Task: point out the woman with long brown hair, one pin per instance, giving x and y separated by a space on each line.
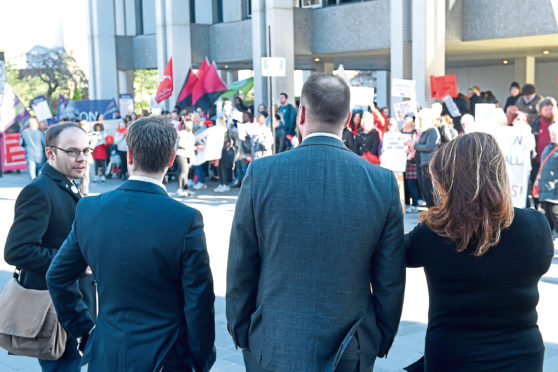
483 260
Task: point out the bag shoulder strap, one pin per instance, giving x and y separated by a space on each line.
544 161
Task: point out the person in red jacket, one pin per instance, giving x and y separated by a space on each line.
99 152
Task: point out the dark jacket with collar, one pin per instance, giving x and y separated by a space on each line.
549 175
427 145
44 213
149 258
301 265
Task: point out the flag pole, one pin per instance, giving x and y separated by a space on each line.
271 114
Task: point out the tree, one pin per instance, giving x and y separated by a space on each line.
57 69
145 87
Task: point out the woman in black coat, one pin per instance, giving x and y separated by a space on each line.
483 260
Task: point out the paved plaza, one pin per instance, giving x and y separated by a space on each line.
218 210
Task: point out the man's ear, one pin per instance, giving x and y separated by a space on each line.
302 115
130 157
172 159
49 152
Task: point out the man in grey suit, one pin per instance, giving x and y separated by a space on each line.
316 272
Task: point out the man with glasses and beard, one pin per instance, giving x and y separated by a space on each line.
44 213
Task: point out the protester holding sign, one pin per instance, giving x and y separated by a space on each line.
426 147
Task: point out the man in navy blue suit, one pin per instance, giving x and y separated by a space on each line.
149 257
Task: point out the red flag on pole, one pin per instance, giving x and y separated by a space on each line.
441 86
166 85
208 88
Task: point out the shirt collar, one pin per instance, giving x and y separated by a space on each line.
148 179
324 134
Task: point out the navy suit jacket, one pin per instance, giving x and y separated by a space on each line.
149 257
305 250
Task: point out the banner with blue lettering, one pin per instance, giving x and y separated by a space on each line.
88 110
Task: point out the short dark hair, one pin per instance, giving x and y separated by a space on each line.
54 131
528 89
152 140
326 97
284 94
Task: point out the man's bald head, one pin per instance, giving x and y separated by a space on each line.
327 99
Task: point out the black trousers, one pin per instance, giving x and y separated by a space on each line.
425 182
226 166
123 164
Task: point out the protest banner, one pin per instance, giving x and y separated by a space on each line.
361 97
3 78
126 103
12 154
41 109
394 155
516 144
441 86
403 108
403 88
452 107
89 109
212 141
12 112
484 113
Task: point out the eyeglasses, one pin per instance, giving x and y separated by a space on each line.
74 153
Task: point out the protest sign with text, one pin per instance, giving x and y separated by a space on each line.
394 155
403 88
362 97
12 154
441 86
403 108
41 109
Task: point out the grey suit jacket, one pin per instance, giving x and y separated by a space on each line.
305 250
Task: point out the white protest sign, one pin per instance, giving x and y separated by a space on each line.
237 115
403 88
362 96
212 139
516 144
393 155
452 107
484 113
41 109
403 108
274 66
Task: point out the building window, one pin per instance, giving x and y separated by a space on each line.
311 3
217 11
247 9
192 11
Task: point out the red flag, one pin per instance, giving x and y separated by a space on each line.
185 96
208 88
165 86
441 86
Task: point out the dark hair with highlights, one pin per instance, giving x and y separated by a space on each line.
152 140
470 180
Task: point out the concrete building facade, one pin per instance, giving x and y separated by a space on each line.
489 43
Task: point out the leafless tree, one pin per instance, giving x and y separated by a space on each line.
57 69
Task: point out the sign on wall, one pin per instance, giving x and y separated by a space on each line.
274 66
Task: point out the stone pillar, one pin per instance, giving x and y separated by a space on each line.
259 50
232 76
126 81
173 41
428 50
103 81
280 16
383 88
524 70
400 21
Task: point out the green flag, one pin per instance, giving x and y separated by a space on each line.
243 86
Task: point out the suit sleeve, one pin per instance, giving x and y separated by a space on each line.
24 247
199 298
68 265
243 268
388 273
